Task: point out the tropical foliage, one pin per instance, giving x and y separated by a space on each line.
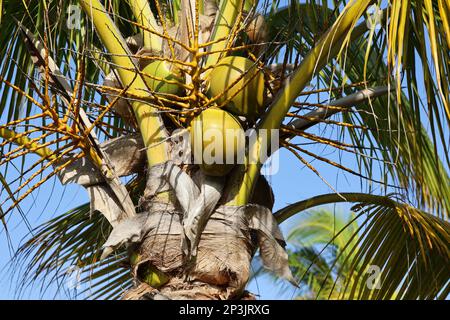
93 91
332 261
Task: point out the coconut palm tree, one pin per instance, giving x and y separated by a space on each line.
319 256
108 95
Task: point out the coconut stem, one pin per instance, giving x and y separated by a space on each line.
313 62
144 16
26 142
149 122
225 19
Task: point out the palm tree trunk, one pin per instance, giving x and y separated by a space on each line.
221 266
185 240
220 269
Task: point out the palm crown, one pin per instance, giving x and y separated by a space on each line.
101 99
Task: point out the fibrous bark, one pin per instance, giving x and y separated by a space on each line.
199 248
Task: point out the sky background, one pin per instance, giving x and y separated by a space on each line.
292 182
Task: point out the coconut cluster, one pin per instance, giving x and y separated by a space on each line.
236 85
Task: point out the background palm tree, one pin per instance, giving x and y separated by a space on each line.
79 104
319 259
323 256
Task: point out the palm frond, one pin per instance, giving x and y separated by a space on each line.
311 267
70 243
407 247
311 263
388 133
320 226
65 40
61 117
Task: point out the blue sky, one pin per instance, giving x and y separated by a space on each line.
292 183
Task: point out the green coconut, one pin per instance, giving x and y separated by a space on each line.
152 276
165 72
216 139
247 94
148 273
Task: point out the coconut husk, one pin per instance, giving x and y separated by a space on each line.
161 244
143 292
121 107
256 29
196 197
222 265
206 23
179 290
135 42
257 32
125 153
126 156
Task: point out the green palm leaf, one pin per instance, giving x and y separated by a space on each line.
393 132
73 241
408 247
317 267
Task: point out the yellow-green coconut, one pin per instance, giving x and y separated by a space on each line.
247 94
161 77
216 138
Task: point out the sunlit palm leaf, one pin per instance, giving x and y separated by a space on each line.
70 243
394 133
409 248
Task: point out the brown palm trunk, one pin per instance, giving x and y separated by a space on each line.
221 267
180 249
